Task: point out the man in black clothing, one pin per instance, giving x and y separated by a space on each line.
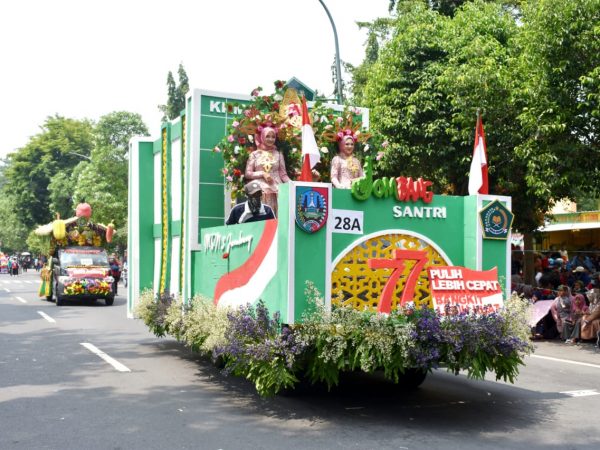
252 210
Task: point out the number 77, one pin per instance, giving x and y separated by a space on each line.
397 263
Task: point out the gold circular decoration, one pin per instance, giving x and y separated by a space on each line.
354 284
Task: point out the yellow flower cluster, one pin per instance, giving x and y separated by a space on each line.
182 240
165 216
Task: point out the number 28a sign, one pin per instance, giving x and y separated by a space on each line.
347 221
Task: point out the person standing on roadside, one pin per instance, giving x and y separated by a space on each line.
14 267
115 271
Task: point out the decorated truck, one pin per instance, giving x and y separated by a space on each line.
78 263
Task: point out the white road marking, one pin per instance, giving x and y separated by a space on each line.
17 281
568 361
22 300
46 316
113 362
581 393
28 281
7 290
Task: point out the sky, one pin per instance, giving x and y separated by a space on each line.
84 59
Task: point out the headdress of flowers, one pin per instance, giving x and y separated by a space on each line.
345 127
280 111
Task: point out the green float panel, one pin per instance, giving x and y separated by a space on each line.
211 166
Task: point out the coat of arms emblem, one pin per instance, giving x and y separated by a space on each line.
311 208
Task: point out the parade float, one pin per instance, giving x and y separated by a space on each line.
78 266
385 276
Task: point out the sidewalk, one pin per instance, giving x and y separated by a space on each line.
556 348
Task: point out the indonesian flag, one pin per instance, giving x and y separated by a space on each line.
478 176
310 151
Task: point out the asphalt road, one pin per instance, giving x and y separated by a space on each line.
56 393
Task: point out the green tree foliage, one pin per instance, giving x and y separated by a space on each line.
103 183
12 231
61 190
57 148
557 94
117 128
378 33
38 245
538 100
175 95
182 89
67 162
444 7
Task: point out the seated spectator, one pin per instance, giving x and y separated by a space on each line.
578 288
579 273
590 323
578 309
561 311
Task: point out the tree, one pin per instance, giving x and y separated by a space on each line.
38 245
378 34
59 147
558 68
535 80
117 128
103 183
182 89
12 232
424 92
444 7
175 95
61 190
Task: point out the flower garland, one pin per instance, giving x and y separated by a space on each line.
183 223
86 286
165 217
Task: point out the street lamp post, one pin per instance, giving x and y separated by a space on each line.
338 70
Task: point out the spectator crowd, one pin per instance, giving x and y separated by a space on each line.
568 290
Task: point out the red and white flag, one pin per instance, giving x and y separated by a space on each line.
310 151
478 176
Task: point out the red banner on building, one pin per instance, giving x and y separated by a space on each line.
456 290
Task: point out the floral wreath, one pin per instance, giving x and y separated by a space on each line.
349 128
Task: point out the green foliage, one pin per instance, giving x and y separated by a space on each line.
13 233
61 190
539 102
558 71
32 167
175 95
326 343
38 245
204 325
103 182
114 130
152 310
67 162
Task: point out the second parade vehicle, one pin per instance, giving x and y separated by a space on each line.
78 266
82 273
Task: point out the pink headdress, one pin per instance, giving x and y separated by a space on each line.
346 130
344 137
262 131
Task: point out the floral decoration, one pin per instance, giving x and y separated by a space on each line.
85 286
252 343
282 110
